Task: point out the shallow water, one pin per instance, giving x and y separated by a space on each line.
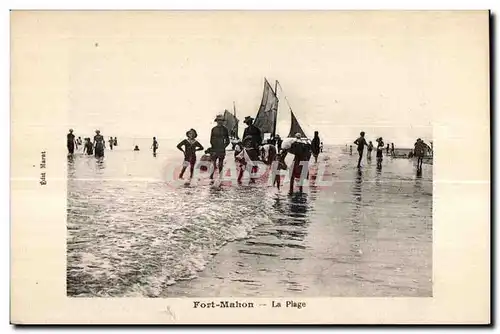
133 232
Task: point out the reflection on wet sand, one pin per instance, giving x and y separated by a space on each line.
283 238
243 268
370 234
355 222
291 213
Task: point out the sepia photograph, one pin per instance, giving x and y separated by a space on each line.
222 158
193 174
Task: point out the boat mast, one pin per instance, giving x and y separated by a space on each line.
292 116
234 113
276 113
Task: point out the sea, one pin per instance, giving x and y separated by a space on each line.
135 230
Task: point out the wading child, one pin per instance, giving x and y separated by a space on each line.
370 149
88 148
281 166
206 160
154 146
191 145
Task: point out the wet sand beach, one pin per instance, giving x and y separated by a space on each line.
370 234
131 233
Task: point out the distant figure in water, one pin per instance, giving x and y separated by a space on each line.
115 142
111 141
79 141
321 147
315 146
191 146
301 149
419 152
361 142
380 148
154 146
370 149
71 142
88 148
76 144
350 149
387 150
392 150
136 148
99 144
219 139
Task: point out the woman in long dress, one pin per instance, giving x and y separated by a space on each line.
316 146
99 144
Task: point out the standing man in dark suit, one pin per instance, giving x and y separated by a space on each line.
219 139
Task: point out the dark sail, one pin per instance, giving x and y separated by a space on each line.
266 116
231 124
295 127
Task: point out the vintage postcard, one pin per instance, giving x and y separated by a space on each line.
267 167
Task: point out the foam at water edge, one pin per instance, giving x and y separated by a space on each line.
197 261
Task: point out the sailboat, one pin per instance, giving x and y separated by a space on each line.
231 123
266 121
266 118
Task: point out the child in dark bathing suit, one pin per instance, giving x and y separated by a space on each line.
370 149
191 145
154 146
88 148
380 149
206 160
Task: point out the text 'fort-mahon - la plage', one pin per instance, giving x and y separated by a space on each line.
245 304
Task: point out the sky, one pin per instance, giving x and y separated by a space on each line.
159 74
